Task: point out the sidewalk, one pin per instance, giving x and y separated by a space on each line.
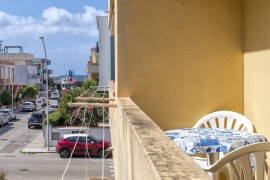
36 146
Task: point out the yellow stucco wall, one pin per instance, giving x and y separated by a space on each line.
179 60
257 63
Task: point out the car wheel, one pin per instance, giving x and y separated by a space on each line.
29 127
15 117
64 153
2 123
100 153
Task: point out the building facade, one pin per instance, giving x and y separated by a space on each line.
104 50
92 66
180 60
41 71
6 75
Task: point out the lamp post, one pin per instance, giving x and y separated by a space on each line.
47 91
12 93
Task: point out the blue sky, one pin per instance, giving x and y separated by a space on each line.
68 26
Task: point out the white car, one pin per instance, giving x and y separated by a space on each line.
28 106
11 114
44 101
53 107
55 95
3 119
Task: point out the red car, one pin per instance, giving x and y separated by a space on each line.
85 142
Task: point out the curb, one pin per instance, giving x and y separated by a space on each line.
37 150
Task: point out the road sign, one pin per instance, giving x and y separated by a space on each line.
39 102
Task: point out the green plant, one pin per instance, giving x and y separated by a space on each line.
3 175
55 118
68 97
87 83
6 98
89 115
29 92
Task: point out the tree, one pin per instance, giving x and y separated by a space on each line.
87 83
6 98
67 97
29 91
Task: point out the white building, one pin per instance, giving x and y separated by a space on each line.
104 50
18 58
25 75
24 71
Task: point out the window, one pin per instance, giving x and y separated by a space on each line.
82 139
92 139
37 115
72 139
55 136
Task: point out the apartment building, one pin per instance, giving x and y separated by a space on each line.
40 64
99 67
92 66
25 73
104 50
177 61
6 75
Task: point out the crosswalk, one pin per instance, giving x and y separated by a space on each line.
111 167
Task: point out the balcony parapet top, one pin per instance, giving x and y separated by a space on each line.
167 161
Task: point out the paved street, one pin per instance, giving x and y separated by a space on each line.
15 136
48 166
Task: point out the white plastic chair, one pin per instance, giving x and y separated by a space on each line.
226 120
249 162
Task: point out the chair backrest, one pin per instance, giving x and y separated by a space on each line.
248 162
226 120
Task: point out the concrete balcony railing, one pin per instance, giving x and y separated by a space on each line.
142 151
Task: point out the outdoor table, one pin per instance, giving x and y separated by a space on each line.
211 141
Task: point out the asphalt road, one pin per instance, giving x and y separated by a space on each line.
42 166
49 166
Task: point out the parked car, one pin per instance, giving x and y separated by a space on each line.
36 119
28 106
3 119
44 101
67 143
34 102
11 114
6 113
55 95
53 107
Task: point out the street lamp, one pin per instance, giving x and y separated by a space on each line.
12 93
47 91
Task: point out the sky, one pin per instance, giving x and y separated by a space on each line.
68 26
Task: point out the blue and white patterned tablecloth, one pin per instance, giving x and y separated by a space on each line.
212 140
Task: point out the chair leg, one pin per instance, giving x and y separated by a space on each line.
211 159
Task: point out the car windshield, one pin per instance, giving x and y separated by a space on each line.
54 106
36 115
26 103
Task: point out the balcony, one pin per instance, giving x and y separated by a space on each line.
93 68
142 151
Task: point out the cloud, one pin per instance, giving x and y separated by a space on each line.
53 21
